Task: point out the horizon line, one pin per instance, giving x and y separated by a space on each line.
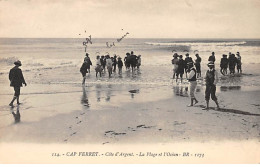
116 38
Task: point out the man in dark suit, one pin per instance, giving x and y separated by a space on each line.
16 80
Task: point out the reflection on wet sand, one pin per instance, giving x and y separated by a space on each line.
16 115
108 93
84 98
133 92
180 91
226 88
98 92
231 79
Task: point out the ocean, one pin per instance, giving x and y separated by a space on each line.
57 60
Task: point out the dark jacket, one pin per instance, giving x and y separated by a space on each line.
198 61
120 64
210 77
181 66
187 60
212 58
84 68
224 62
16 77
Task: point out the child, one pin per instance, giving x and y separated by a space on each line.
138 61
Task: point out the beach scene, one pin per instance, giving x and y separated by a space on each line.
143 105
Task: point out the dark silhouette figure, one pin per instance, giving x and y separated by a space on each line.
16 80
197 65
224 64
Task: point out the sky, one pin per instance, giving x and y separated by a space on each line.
141 18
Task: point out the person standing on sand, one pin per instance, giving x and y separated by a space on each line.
239 63
193 83
211 78
181 67
175 62
16 80
197 65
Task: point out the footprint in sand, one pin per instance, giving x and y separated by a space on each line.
77 117
143 126
79 122
82 113
114 133
65 140
179 123
73 133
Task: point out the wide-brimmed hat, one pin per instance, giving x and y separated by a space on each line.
119 57
211 63
18 62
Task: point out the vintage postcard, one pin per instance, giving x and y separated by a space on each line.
129 81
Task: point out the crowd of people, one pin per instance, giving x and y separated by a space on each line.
180 65
131 61
211 76
111 63
231 62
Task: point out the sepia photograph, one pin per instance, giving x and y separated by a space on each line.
129 82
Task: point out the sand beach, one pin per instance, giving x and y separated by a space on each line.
146 108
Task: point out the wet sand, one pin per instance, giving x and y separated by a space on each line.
114 114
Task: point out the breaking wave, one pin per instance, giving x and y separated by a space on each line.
196 43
